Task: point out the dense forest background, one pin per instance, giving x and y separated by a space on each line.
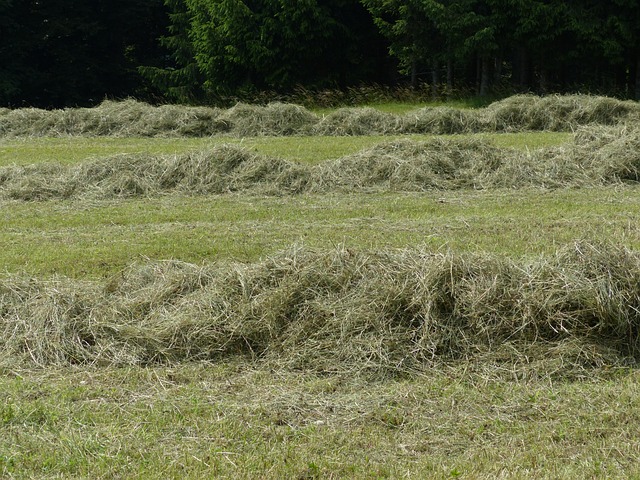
56 53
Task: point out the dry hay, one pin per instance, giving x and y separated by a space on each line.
223 169
272 120
357 121
127 118
28 122
132 118
379 313
442 120
413 166
35 182
614 152
598 156
557 112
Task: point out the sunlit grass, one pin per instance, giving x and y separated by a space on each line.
312 149
239 420
227 421
76 239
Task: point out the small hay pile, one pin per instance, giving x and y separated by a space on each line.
407 165
557 112
27 122
35 182
127 118
357 121
223 169
442 121
135 119
613 152
272 120
379 313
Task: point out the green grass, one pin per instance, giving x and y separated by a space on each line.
76 239
241 420
224 421
71 150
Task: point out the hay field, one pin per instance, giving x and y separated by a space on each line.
270 292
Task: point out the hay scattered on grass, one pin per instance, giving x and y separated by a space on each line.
132 118
407 165
379 313
357 121
274 119
599 156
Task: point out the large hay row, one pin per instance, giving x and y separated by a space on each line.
131 118
380 313
598 156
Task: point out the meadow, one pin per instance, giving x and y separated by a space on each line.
276 292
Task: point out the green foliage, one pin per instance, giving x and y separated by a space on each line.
181 80
547 43
228 47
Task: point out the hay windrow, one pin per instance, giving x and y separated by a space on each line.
358 121
382 313
558 112
132 118
598 156
445 121
224 169
275 119
406 165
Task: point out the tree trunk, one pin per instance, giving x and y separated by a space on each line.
414 74
497 70
638 78
435 78
449 75
544 80
543 76
523 69
485 75
478 74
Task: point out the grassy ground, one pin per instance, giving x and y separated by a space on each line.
78 239
242 420
314 149
227 421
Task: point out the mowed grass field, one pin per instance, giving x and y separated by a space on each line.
238 417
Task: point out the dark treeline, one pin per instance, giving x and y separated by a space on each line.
77 52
